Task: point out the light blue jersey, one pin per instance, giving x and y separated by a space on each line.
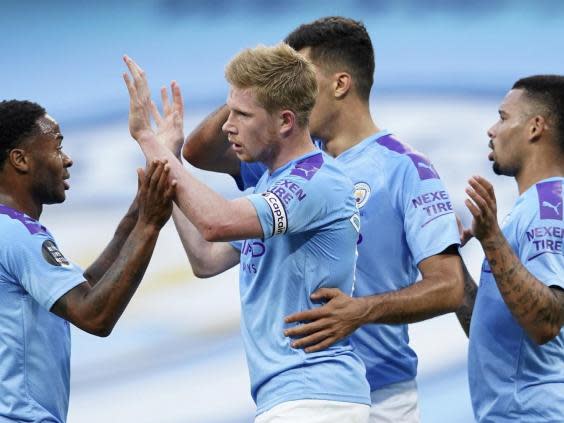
34 343
512 379
406 216
307 212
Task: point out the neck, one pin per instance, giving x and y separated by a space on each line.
291 148
353 124
539 169
23 205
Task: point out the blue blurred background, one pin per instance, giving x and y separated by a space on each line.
442 66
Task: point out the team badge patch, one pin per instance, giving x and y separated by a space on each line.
52 254
550 200
361 194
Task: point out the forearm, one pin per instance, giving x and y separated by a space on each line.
212 215
198 250
534 305
97 269
421 301
105 302
464 313
207 146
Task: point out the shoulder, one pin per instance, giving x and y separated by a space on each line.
19 229
544 200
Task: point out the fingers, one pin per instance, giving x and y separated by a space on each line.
129 84
311 340
177 98
155 113
166 104
325 293
308 315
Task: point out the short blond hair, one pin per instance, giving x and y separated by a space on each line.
280 77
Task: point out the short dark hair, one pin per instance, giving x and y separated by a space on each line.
342 41
18 120
547 90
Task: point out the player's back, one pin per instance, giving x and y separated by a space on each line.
310 226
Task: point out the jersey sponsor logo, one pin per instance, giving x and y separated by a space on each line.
253 248
424 167
308 167
361 194
545 240
287 190
52 254
550 200
433 204
279 216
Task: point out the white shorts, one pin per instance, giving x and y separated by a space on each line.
395 403
315 411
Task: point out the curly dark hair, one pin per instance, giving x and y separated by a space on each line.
17 121
336 40
548 91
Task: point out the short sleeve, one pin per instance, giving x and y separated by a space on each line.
540 242
429 218
36 263
294 204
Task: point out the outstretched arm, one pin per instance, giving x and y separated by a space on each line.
97 309
439 291
207 146
538 308
216 218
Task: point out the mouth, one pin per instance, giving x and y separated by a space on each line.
491 154
66 183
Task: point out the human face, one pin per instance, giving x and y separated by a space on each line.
49 163
323 115
508 136
252 131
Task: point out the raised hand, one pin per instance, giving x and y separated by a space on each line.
155 194
482 204
140 104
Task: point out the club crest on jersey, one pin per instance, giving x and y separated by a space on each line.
550 200
361 194
52 254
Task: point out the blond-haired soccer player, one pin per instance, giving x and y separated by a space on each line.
298 229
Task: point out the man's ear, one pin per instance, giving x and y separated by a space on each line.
537 125
287 122
342 84
19 159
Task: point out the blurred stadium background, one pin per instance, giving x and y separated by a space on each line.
176 355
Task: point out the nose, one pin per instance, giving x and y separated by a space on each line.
67 160
491 133
228 127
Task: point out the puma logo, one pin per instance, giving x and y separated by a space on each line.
552 206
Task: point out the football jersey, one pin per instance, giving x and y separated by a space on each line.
406 216
310 227
34 343
512 379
